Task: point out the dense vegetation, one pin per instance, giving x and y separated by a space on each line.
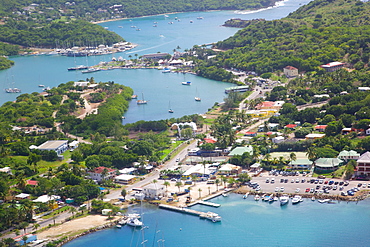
319 33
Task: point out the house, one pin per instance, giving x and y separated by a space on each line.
98 173
228 169
302 163
255 167
367 132
106 211
363 165
348 155
314 136
291 126
32 182
6 169
200 170
347 131
363 88
59 146
320 128
22 196
290 71
333 66
278 139
73 145
124 179
46 198
128 171
250 134
80 83
241 150
153 191
328 164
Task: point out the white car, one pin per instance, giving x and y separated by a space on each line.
297 190
277 189
282 189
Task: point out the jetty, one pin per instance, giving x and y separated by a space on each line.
182 210
211 204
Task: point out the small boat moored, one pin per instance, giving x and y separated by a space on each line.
186 83
284 199
296 199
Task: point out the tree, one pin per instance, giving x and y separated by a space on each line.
200 192
124 193
36 226
166 183
23 225
312 153
178 185
217 182
77 156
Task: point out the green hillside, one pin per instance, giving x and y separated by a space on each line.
320 32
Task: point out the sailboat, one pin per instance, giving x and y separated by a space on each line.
12 89
141 102
196 97
169 108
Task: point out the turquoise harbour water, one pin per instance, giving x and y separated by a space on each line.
245 222
161 90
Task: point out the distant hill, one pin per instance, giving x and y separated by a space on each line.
318 33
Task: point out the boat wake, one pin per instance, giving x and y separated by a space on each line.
152 47
277 5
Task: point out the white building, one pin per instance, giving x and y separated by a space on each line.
154 190
124 179
59 146
98 173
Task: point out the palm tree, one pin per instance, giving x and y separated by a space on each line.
166 183
178 185
200 192
36 226
24 226
217 182
72 210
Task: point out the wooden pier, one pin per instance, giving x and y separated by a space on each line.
211 204
182 210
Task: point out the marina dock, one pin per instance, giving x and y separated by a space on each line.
182 210
211 204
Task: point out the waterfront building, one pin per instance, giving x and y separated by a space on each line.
229 169
363 165
153 191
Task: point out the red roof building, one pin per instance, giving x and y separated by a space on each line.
208 140
333 66
290 71
291 126
32 182
320 128
97 173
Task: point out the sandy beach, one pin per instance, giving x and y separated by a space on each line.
74 227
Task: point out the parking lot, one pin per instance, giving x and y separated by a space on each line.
305 185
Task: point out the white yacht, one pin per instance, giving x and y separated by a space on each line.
257 197
134 222
284 199
296 199
211 216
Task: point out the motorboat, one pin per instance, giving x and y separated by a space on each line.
13 90
186 83
265 197
296 199
135 222
197 99
211 216
137 216
284 199
90 70
245 195
134 96
41 85
225 194
257 197
323 200
118 226
313 198
271 199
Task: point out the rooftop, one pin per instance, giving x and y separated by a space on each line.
52 144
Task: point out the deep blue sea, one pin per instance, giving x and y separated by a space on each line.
245 222
161 90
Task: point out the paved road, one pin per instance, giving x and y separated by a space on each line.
155 174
